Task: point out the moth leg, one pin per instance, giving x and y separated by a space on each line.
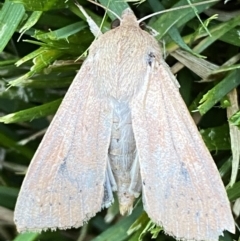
111 176
109 186
136 181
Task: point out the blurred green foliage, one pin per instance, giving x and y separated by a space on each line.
40 41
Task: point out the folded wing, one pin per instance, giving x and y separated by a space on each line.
182 189
64 185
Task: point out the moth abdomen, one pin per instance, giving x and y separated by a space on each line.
122 153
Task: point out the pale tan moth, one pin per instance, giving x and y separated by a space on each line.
124 127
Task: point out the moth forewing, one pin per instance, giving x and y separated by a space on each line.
124 126
70 163
184 192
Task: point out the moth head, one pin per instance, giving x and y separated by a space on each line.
128 18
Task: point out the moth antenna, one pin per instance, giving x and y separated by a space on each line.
107 9
96 31
173 9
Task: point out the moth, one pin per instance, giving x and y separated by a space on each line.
123 127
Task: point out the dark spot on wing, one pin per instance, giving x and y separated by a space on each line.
150 58
184 172
64 172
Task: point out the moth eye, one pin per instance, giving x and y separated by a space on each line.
142 25
115 23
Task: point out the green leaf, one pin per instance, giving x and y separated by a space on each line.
138 228
176 18
225 169
8 197
32 113
32 20
64 32
214 95
31 56
8 142
216 33
234 192
232 37
44 57
118 232
116 6
11 15
46 82
216 138
226 68
235 119
26 237
42 5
